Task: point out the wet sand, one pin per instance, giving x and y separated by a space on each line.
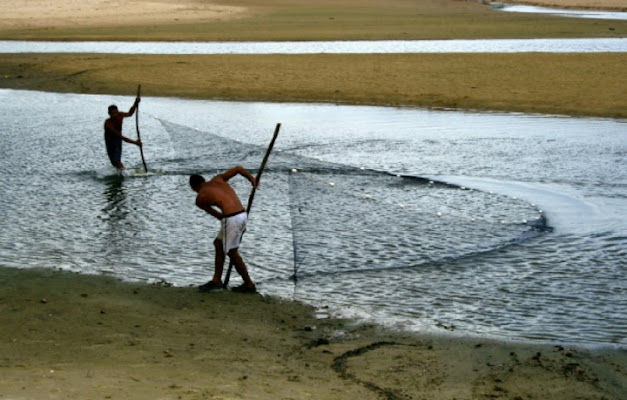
529 82
69 336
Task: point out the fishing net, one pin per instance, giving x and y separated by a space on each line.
344 219
353 220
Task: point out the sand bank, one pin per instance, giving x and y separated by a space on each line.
571 84
68 336
81 13
269 20
568 84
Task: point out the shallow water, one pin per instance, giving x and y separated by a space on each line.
366 210
592 14
596 45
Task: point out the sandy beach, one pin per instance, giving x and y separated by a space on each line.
526 82
71 336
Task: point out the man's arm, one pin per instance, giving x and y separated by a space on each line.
241 171
131 111
111 127
207 207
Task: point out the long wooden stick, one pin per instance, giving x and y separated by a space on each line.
252 193
141 148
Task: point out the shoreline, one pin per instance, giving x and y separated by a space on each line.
74 336
535 83
559 84
274 20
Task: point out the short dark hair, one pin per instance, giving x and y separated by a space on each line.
196 180
112 107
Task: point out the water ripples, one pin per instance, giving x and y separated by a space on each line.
389 257
587 45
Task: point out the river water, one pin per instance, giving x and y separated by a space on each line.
497 225
583 45
572 13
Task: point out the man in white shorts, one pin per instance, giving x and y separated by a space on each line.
218 198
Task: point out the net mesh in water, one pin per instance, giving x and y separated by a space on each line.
354 220
346 219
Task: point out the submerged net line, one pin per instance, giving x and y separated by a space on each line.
440 210
338 230
345 219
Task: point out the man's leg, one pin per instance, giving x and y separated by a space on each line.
114 151
117 164
215 284
240 267
219 261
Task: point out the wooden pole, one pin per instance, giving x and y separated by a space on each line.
252 193
141 148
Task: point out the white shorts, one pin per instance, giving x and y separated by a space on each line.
231 231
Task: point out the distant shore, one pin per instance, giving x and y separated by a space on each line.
565 84
72 336
561 84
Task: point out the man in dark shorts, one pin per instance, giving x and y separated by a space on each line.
219 199
113 134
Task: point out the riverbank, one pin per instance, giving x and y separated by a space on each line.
567 84
72 336
280 20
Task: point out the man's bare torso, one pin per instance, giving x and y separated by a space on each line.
218 193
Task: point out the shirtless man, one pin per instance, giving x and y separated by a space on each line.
113 134
219 199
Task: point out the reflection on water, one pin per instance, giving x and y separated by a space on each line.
114 230
359 224
115 208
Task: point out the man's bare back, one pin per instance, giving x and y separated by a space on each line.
217 192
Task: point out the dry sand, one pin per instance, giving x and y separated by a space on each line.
571 84
68 336
62 13
251 20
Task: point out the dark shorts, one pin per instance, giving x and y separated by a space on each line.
114 148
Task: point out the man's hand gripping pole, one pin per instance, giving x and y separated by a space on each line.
252 193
